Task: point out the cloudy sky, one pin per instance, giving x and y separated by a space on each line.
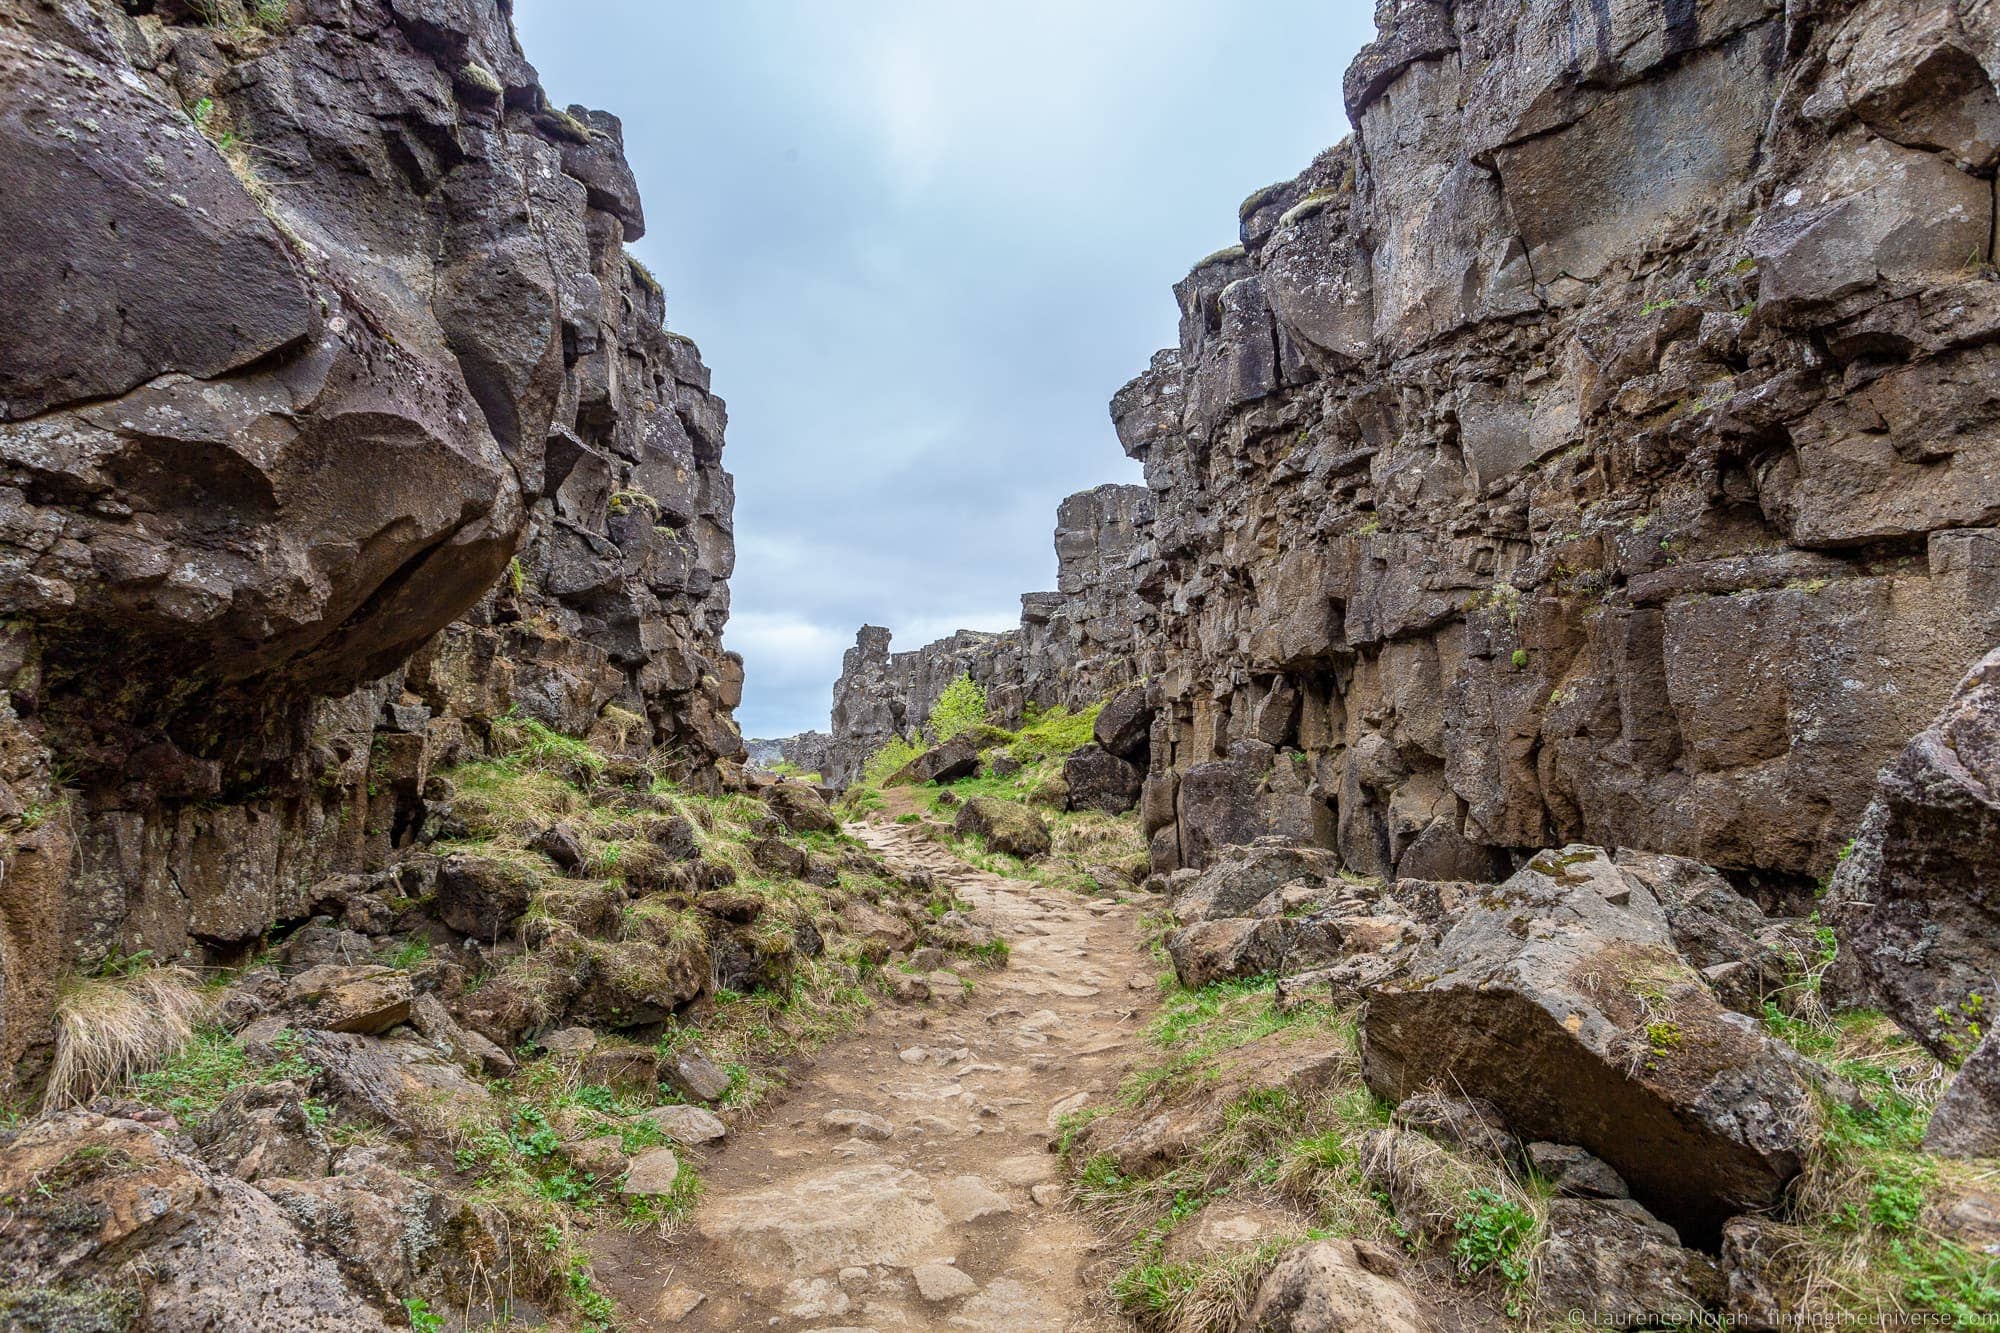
921 245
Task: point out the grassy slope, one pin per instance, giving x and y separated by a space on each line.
1082 839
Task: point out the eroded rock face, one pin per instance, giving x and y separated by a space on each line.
174 1243
334 423
1075 645
1560 997
1590 449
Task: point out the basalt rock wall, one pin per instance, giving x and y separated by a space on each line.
335 423
1598 446
1074 645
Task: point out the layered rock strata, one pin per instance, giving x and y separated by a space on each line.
1074 646
335 421
1598 446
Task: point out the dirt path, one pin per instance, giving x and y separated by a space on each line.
906 1181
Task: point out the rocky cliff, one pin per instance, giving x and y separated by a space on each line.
1598 446
1074 645
336 422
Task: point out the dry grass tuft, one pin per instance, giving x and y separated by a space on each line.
110 1029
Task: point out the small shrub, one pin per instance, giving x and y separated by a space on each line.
960 707
884 762
1054 733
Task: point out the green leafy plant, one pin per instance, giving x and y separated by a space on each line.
1491 1232
961 706
422 1318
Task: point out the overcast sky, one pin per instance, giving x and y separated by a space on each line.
921 245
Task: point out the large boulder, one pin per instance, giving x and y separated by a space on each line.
956 758
1245 876
1966 1122
262 1129
1560 997
1125 723
1620 1265
801 807
400 1081
480 896
1916 903
107 1209
1233 947
351 999
1100 780
1005 825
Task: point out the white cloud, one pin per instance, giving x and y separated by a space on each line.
921 245
783 644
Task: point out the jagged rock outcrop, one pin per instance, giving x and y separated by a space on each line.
1074 646
111 1224
1594 447
808 751
335 421
1916 902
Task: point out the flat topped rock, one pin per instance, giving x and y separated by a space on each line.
686 1125
868 1214
677 1303
693 1074
941 1282
968 1198
653 1171
859 1124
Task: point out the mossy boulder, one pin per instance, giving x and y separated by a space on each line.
481 896
986 736
1099 780
800 807
1006 827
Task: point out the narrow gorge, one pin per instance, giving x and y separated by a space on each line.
1500 829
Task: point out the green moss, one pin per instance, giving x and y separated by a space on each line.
67 1308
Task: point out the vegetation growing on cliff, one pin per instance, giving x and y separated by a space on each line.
961 707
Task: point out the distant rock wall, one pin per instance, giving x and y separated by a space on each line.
1597 447
807 751
1074 646
335 422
